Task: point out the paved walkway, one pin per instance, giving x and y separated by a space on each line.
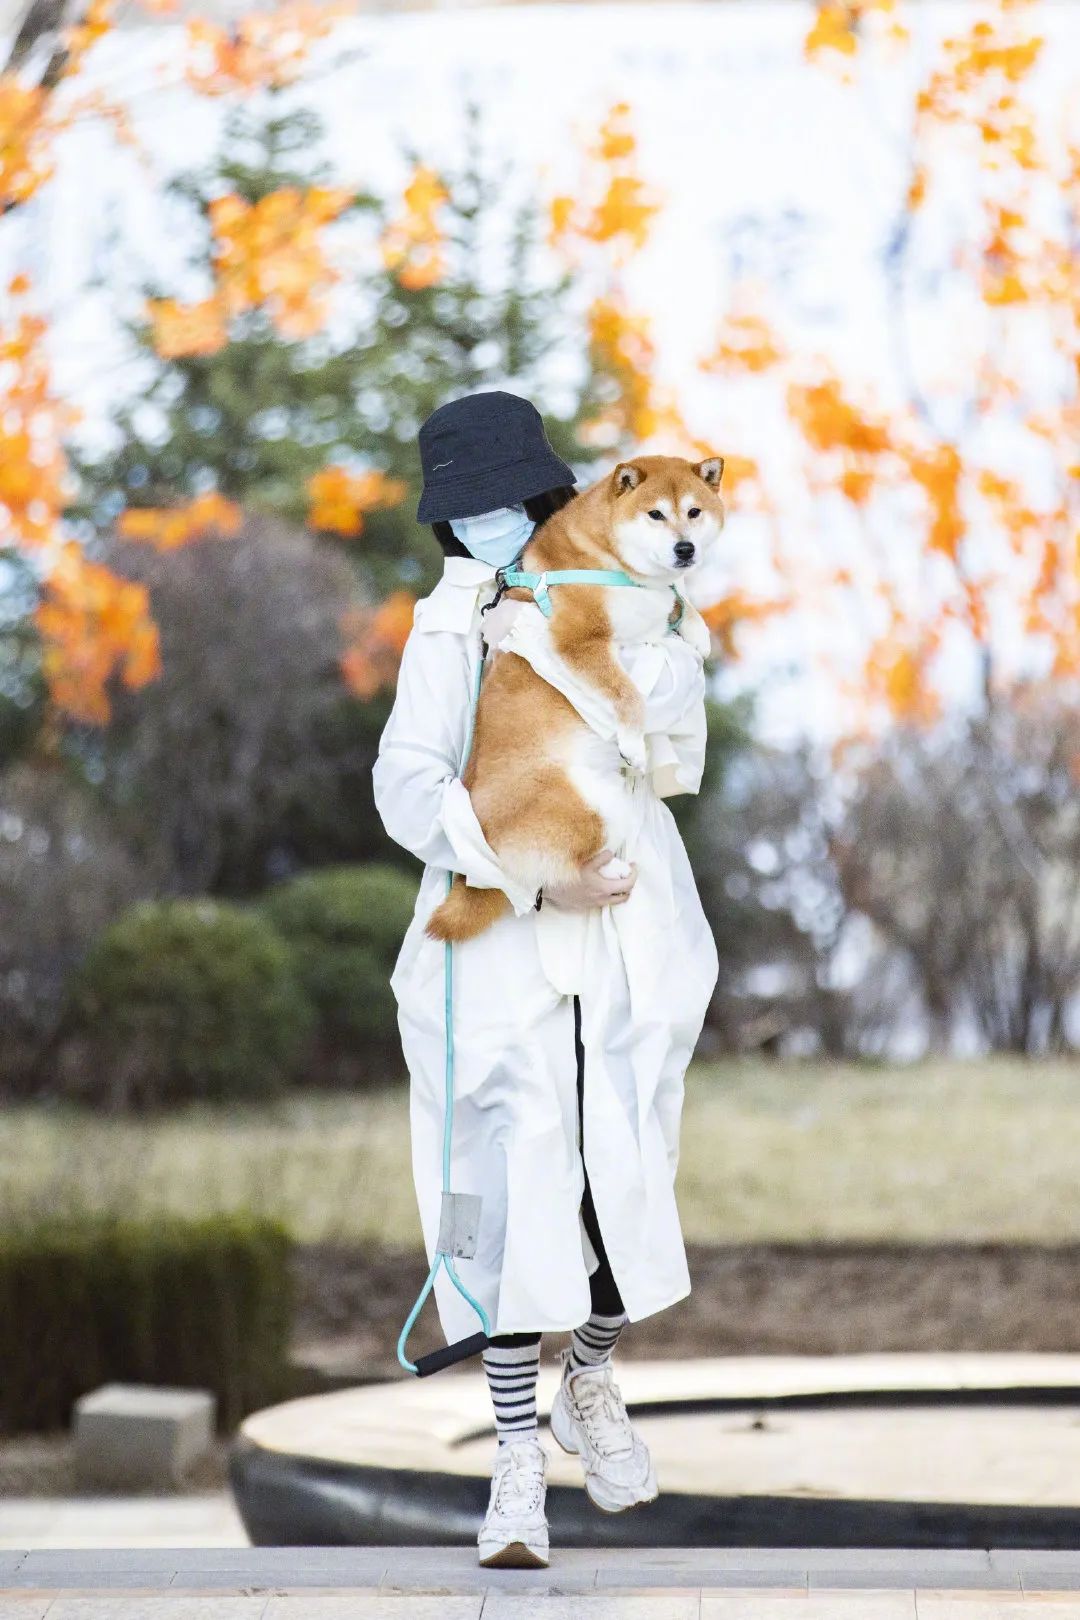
203 1519
432 1583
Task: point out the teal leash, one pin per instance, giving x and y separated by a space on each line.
443 1256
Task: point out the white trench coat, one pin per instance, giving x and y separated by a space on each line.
644 971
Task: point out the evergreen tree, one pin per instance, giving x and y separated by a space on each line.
258 418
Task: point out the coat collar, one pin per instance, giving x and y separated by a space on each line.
452 604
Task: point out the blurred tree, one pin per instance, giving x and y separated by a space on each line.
65 873
248 758
962 847
948 513
273 399
22 687
91 629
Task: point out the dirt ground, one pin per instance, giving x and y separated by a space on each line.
752 1299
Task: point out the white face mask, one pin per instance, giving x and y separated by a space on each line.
495 537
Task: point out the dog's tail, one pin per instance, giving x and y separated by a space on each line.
466 912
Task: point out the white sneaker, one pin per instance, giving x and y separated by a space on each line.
588 1417
515 1534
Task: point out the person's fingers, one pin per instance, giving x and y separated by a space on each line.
598 861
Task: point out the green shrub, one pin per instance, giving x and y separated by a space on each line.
196 1304
181 1000
344 926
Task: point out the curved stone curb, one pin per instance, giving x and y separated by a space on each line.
399 1464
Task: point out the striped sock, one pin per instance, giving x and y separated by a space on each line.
512 1372
592 1343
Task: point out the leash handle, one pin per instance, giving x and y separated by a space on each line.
474 1345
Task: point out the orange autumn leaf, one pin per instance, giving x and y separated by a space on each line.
170 527
25 134
270 254
393 621
746 343
264 50
265 255
412 244
831 421
857 484
625 211
916 192
376 640
90 26
613 209
622 346
939 474
738 471
183 329
728 614
94 628
833 30
561 215
34 480
897 674
339 498
616 141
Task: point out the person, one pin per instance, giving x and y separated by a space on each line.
575 1014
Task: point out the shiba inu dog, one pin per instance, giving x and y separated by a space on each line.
548 791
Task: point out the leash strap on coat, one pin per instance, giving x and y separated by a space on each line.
508 578
460 1211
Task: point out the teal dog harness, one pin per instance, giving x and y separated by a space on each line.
507 578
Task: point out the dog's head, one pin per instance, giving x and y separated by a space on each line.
666 513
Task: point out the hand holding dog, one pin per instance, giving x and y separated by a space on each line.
593 887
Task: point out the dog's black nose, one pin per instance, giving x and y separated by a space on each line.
684 551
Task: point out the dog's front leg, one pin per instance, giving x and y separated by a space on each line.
594 659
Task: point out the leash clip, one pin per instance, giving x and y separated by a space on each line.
501 589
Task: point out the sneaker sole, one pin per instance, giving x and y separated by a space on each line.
619 1507
605 1507
515 1555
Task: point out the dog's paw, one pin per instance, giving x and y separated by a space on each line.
632 748
616 868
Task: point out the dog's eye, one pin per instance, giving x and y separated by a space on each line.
657 515
695 511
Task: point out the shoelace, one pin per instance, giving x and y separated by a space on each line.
520 1482
599 1402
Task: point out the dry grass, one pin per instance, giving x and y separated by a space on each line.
944 1151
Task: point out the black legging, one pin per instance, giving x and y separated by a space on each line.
604 1296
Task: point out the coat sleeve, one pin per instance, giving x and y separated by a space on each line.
669 675
671 678
418 793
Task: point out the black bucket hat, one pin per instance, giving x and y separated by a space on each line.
482 452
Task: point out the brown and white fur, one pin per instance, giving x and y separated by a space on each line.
548 792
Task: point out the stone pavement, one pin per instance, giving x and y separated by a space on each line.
433 1583
201 1519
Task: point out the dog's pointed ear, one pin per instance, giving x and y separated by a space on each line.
626 476
711 470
